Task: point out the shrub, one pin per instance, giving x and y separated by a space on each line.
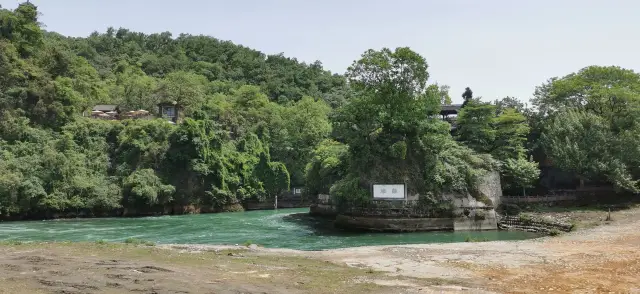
554 232
484 199
525 218
472 239
479 214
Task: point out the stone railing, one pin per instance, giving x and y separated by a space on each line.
530 224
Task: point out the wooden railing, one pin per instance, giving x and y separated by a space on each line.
539 199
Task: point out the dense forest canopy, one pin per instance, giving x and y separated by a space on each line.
255 125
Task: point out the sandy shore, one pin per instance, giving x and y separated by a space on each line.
604 259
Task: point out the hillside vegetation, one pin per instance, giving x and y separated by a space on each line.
258 124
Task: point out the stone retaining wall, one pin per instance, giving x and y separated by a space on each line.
527 224
322 210
255 205
394 224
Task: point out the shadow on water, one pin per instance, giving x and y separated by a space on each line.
320 226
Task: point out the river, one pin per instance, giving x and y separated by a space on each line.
284 228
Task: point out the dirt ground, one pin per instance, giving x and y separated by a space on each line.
601 259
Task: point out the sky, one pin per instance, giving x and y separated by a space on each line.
497 48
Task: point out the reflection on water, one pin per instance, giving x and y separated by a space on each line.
285 228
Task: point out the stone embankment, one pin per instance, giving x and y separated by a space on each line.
527 223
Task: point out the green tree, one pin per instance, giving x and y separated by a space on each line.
583 143
328 164
509 103
600 103
393 133
185 88
511 132
475 126
441 91
519 173
143 188
306 123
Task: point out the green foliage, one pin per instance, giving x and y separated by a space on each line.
583 142
327 165
519 173
479 214
185 88
46 172
440 91
554 232
474 240
501 131
256 124
136 241
394 135
348 192
589 121
144 188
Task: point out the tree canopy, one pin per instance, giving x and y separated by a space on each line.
257 124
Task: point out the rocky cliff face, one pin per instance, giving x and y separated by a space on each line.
471 213
478 213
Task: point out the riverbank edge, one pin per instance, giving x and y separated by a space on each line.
157 212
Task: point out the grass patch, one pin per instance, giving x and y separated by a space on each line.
11 243
472 239
554 232
136 241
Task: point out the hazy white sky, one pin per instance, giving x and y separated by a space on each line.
497 47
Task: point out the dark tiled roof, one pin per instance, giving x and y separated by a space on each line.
451 107
105 107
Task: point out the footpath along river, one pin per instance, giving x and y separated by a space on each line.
284 228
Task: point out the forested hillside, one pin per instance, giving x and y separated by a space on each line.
258 124
252 120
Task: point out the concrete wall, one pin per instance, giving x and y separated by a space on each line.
394 224
488 222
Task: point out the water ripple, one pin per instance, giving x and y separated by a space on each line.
286 228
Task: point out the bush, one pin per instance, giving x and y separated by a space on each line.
472 239
484 199
479 214
136 241
554 232
525 218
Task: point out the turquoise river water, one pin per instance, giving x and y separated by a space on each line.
285 228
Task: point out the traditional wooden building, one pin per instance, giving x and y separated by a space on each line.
171 111
449 114
105 111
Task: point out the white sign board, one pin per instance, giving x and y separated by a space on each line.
388 191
